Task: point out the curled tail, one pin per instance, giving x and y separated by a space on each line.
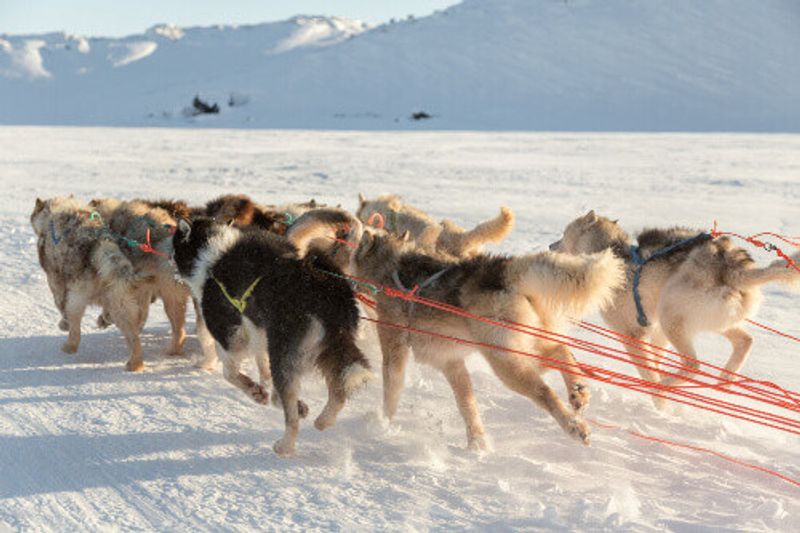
571 284
779 271
111 264
326 224
494 230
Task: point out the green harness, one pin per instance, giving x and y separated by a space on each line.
239 303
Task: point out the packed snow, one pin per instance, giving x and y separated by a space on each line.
579 65
86 445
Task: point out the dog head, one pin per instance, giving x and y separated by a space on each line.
189 239
39 216
589 234
378 251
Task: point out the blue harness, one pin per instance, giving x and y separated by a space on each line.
640 262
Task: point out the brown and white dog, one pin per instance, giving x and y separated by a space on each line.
84 265
153 223
540 289
706 285
445 237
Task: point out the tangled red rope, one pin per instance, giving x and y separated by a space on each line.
758 390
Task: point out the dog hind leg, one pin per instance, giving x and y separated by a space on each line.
74 307
577 389
287 388
523 378
742 342
458 377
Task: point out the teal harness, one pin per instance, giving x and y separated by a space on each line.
640 262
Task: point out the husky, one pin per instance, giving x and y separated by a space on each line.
540 289
444 237
704 285
152 223
256 292
84 265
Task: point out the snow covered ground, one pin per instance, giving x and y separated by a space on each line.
534 65
86 445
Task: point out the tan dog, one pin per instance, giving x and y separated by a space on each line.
540 289
84 265
135 221
445 237
706 285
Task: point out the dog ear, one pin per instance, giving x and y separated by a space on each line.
362 199
591 217
39 205
185 227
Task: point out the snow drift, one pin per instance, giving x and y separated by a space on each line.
482 64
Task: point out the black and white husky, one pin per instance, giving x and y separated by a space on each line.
255 294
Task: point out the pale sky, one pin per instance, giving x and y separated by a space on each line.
124 17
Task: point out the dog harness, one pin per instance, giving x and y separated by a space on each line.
640 262
239 303
427 283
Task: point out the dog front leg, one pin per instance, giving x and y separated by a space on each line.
395 356
207 343
458 377
174 300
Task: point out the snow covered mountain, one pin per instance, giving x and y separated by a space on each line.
729 65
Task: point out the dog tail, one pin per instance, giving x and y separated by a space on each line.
342 362
325 224
571 285
494 230
111 264
779 271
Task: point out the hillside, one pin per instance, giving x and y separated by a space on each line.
726 65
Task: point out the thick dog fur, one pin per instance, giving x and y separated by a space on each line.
445 237
240 210
84 265
306 316
539 289
134 220
711 285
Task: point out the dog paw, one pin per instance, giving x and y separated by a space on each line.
69 347
579 430
63 325
259 394
284 447
355 377
323 422
302 409
579 397
478 443
660 403
134 366
206 364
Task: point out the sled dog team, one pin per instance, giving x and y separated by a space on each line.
273 283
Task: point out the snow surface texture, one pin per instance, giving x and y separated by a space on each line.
84 444
582 65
